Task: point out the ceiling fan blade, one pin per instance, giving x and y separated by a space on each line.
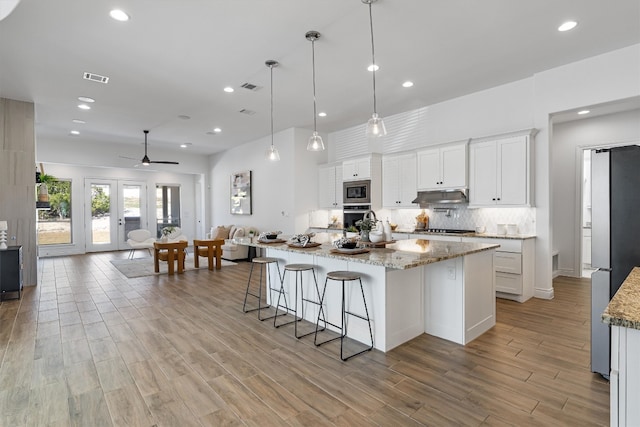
164 162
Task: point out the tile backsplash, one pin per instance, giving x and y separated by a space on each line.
457 217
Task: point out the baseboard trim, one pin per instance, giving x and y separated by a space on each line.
543 293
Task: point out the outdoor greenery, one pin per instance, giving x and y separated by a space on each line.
59 199
100 201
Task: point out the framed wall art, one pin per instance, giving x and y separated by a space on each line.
241 193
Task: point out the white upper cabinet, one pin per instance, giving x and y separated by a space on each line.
330 187
500 172
399 178
356 169
443 167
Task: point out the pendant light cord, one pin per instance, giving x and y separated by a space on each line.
373 58
313 66
271 71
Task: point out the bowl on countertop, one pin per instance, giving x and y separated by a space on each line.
376 236
349 245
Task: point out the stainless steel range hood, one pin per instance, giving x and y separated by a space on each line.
444 197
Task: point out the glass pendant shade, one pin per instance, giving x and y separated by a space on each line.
273 154
375 127
315 142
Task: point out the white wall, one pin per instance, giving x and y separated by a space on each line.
77 175
283 193
569 140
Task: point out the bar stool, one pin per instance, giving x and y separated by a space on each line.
264 263
344 276
298 269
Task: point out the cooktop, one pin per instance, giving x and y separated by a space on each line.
445 231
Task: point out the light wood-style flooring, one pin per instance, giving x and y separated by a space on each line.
89 347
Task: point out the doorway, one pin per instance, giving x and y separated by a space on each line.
114 207
585 222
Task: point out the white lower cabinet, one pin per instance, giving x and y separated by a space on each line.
625 377
514 265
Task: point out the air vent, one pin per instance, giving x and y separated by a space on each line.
96 78
250 86
247 112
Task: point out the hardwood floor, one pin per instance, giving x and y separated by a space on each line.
89 347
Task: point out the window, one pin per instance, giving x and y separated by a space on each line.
167 206
54 225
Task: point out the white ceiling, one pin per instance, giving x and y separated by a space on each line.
174 57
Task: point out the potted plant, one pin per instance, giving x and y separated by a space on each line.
365 225
166 231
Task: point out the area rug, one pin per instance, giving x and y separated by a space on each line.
139 267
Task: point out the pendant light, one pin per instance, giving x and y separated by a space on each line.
375 125
272 152
315 141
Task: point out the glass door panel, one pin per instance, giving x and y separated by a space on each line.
101 215
113 208
133 209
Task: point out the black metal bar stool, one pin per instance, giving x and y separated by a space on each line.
264 263
298 270
344 276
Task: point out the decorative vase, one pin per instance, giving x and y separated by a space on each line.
43 193
364 235
164 239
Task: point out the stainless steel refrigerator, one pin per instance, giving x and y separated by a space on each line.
615 237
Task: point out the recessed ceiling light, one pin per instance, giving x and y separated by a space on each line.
74 132
322 114
407 84
86 99
584 112
184 117
228 89
373 67
84 107
119 15
217 130
185 144
566 26
81 122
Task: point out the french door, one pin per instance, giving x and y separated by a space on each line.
112 209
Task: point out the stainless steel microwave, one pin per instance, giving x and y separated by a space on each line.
356 192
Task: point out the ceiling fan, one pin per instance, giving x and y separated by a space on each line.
145 160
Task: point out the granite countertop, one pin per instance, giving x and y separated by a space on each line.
624 307
400 255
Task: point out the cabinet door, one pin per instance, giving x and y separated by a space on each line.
363 168
407 180
390 182
327 187
512 181
483 173
356 169
338 187
429 169
453 166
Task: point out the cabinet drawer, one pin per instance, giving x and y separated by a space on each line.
508 262
509 283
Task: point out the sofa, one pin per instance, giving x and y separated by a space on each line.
230 250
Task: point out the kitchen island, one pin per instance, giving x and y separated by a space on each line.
413 286
623 315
